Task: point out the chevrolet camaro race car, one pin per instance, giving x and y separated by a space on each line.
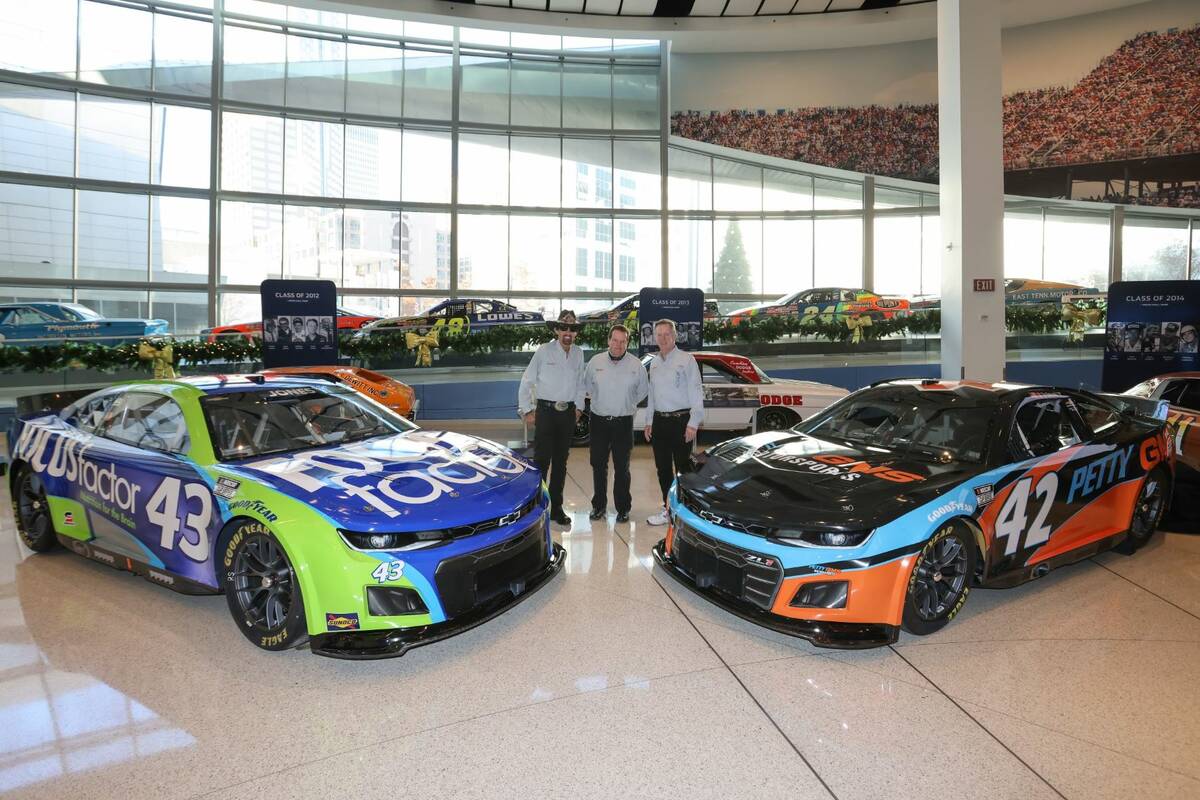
455 317
830 305
884 510
23 324
321 515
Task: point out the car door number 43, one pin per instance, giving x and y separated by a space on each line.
162 510
1013 518
388 571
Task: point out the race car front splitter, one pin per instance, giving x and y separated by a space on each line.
836 635
363 645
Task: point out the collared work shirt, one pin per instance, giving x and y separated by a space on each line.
675 385
615 387
554 375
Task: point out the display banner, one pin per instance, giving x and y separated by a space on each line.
684 307
1151 330
299 323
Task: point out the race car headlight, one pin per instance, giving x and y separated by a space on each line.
823 538
411 540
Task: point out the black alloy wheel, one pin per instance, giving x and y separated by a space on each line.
1147 512
33 512
262 589
940 580
775 419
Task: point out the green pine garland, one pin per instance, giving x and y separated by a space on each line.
1030 319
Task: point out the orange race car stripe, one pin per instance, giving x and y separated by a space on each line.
876 594
1051 463
1109 513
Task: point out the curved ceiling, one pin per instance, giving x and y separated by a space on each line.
729 25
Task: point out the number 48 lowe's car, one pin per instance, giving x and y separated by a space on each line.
882 511
319 513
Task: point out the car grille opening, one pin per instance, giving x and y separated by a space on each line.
394 601
692 504
471 580
741 574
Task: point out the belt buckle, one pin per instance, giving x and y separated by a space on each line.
560 405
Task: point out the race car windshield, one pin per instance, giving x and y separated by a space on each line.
270 421
924 426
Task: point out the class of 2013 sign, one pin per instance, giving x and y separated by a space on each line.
684 307
1152 330
299 323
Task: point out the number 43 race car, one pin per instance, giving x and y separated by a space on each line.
881 512
321 515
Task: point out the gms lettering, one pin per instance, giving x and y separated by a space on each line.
68 459
847 468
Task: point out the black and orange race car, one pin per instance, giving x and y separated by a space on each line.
397 396
882 511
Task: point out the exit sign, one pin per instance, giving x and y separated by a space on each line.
985 284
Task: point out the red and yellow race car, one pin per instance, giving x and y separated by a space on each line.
397 396
346 321
827 304
883 511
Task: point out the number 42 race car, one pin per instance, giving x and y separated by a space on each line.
321 515
882 511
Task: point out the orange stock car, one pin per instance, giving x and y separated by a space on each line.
397 396
882 511
1181 390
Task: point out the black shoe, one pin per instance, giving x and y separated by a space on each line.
623 516
598 513
560 517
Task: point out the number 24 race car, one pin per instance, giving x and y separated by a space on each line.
882 511
321 515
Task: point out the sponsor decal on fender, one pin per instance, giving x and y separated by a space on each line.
341 622
226 487
1150 453
68 518
985 494
257 506
954 506
849 468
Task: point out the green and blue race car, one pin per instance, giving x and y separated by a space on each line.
321 515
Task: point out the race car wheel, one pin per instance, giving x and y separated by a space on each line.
775 419
583 430
262 590
33 512
940 580
1147 512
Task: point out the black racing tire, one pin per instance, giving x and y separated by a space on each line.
261 588
1152 501
582 434
775 419
940 580
32 512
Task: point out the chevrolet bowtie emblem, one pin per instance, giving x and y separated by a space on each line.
507 518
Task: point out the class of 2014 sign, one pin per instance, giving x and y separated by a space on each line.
684 307
299 323
1152 330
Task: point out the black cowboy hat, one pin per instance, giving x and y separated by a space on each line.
562 324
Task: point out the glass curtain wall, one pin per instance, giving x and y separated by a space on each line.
406 161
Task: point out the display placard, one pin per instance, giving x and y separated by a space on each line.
684 307
299 323
1152 329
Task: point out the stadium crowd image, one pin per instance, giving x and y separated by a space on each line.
516 399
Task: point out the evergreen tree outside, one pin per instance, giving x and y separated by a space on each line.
732 275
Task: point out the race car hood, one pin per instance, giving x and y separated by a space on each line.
418 480
787 480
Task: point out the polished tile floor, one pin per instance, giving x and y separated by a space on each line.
611 682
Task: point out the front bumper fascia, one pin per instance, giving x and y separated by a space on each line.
834 635
366 645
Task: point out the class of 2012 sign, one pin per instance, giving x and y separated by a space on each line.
1152 330
299 323
684 307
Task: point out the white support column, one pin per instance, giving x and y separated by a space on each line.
972 188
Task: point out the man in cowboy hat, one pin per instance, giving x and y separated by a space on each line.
551 399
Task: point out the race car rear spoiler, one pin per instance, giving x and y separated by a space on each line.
33 405
1142 407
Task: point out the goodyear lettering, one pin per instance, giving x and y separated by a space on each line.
255 506
953 507
1099 474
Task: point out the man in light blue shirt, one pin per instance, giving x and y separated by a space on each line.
551 399
616 382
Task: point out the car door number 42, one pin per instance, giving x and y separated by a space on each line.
162 510
1013 518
